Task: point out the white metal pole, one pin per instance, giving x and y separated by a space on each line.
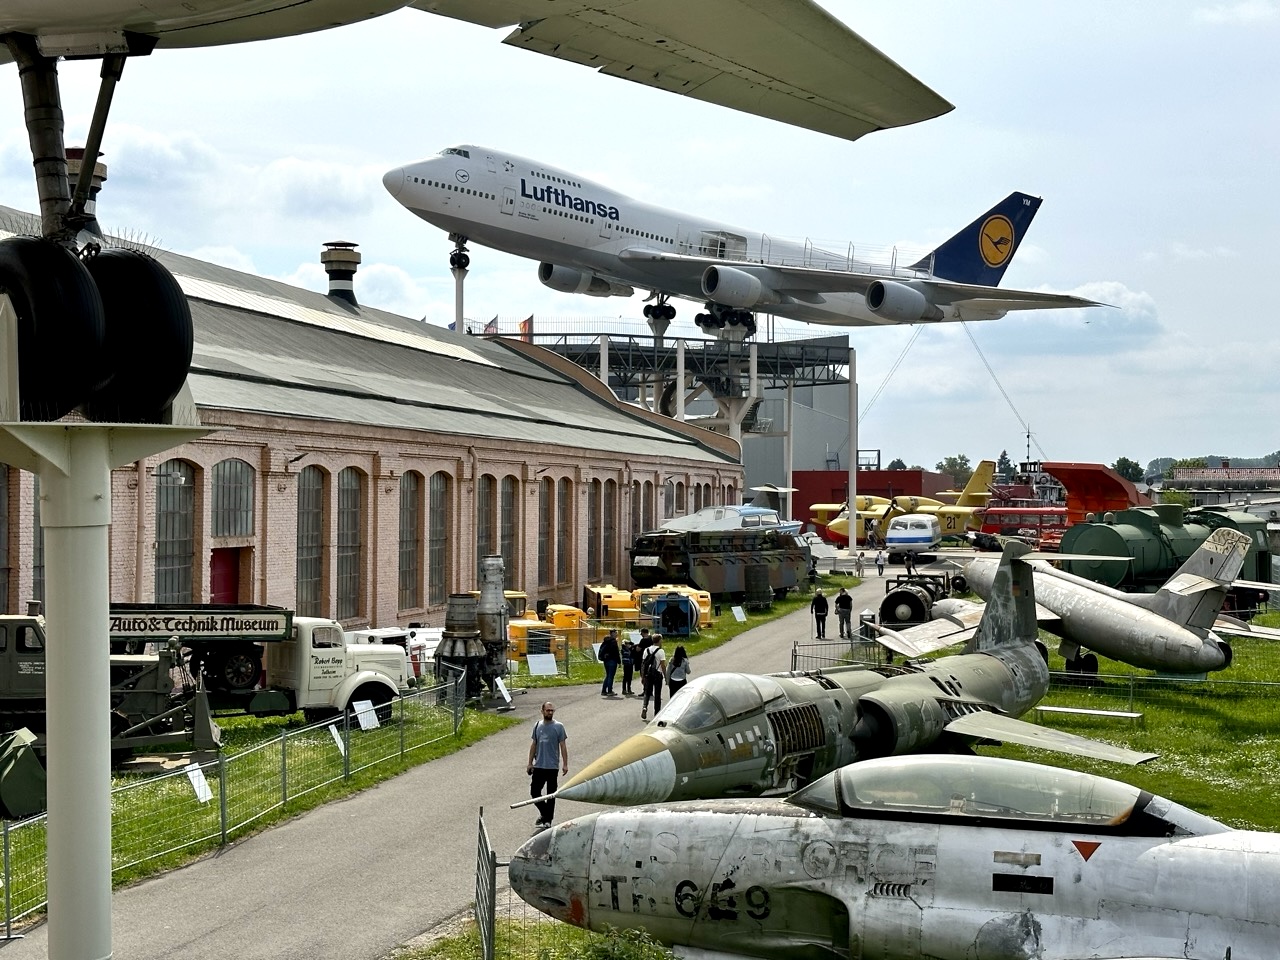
788 449
680 379
855 526
76 514
459 274
604 359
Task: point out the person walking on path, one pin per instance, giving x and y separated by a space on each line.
858 563
880 562
637 654
653 673
844 613
818 607
548 756
610 653
678 670
627 651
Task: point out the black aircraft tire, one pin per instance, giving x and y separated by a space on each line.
61 326
149 336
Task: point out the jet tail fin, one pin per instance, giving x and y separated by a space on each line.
1010 614
976 490
1193 596
981 251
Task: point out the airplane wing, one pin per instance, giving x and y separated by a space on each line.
960 301
997 726
923 638
1234 627
788 60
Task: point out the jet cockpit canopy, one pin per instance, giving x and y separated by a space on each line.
986 788
695 708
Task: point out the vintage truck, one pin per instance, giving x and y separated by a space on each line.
264 660
148 709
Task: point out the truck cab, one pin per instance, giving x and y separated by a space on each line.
319 672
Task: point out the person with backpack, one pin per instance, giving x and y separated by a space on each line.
653 673
679 669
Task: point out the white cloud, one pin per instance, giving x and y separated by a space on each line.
1245 12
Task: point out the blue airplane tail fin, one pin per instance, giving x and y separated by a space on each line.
981 251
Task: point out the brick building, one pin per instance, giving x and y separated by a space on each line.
360 463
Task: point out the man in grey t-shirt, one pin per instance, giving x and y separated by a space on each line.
548 755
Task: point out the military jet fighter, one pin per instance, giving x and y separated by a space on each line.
739 734
954 858
1171 630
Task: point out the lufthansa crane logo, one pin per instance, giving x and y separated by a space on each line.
462 176
995 240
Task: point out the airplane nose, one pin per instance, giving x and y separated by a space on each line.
639 770
393 180
549 872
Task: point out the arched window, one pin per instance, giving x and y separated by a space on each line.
593 530
310 573
439 505
730 494
37 543
650 490
486 519
682 503
637 495
509 529
4 538
351 496
546 494
175 531
564 528
609 531
669 499
232 514
410 540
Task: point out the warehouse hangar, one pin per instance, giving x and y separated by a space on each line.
361 463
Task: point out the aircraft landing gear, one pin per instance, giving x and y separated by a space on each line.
660 310
718 317
458 257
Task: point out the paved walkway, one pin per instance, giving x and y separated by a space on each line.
355 879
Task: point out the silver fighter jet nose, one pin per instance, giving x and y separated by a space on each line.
550 871
393 180
641 769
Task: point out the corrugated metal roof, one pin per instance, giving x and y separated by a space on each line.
264 346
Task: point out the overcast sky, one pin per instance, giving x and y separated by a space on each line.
1150 129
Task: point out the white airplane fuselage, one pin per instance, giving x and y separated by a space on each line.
604 241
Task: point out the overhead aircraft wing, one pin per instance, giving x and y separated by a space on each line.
923 638
787 60
808 284
997 726
1234 627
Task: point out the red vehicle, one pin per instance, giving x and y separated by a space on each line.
1043 525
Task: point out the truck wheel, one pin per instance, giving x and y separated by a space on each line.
379 695
240 670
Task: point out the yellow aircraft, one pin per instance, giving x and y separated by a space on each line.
835 516
966 512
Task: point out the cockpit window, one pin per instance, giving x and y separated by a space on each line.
983 788
455 152
691 711
729 695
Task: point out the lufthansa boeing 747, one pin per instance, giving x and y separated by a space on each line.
598 242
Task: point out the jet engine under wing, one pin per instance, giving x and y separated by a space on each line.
937 299
997 726
788 60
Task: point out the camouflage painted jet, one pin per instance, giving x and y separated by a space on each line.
738 734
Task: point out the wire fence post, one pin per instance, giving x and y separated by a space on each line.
346 745
8 887
222 797
284 767
401 700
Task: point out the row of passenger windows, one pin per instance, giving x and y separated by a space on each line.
547 176
574 216
449 186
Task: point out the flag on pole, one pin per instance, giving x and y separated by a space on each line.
491 326
454 326
526 329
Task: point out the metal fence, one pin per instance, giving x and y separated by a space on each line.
162 819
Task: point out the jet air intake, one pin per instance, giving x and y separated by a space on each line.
897 301
736 288
569 280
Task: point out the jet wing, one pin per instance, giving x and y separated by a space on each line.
788 60
928 637
997 726
808 284
1241 628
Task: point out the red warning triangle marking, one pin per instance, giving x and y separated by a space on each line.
1086 847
